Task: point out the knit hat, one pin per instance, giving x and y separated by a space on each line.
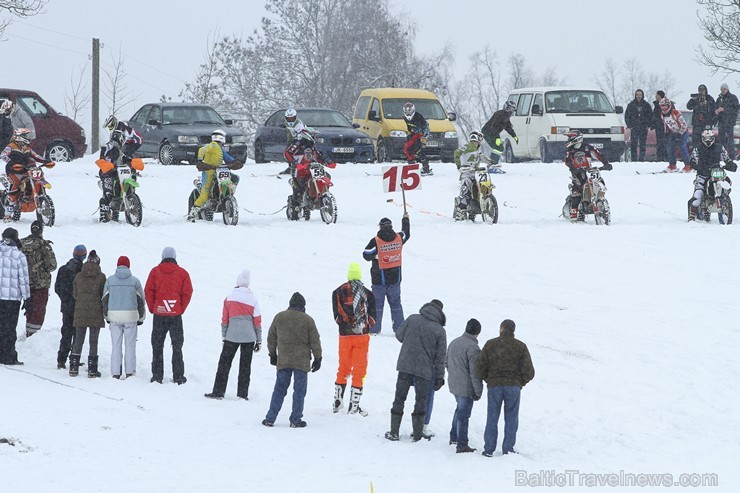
724 86
93 257
297 301
123 261
355 272
473 327
11 234
437 303
169 252
79 252
385 223
244 278
702 86
37 228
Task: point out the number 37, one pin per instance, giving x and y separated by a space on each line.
407 177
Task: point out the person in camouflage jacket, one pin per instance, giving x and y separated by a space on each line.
41 263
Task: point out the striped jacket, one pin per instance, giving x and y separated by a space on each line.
242 319
14 282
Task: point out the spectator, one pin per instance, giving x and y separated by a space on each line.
124 309
20 119
677 135
464 384
638 117
87 290
168 291
41 263
6 125
291 341
506 366
421 359
354 306
241 329
727 109
702 104
14 288
657 125
385 252
63 288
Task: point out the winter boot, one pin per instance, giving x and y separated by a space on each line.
193 214
74 365
426 432
686 169
464 450
338 397
417 423
670 169
426 170
354 402
92 367
395 427
693 211
573 214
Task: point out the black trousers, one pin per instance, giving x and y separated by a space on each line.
660 139
637 144
421 389
224 367
68 335
160 327
9 311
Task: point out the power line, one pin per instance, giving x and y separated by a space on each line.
13 20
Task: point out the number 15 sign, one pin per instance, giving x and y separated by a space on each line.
401 178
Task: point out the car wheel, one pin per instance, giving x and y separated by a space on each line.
509 154
59 152
259 152
166 154
382 152
544 155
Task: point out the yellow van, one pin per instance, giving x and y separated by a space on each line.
379 113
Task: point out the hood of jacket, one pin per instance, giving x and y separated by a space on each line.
123 272
433 313
90 269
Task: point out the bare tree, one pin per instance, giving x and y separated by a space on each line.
19 8
550 77
607 81
720 22
520 75
77 97
206 87
115 85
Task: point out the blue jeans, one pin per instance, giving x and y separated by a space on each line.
680 140
459 431
281 389
509 395
393 292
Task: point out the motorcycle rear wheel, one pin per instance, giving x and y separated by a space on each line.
230 211
328 209
134 212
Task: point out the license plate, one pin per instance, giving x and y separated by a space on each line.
343 149
597 145
432 143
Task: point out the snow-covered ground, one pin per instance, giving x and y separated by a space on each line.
633 331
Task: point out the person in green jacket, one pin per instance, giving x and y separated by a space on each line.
41 263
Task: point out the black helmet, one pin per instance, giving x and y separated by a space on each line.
575 139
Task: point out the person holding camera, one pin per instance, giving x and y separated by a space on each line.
703 105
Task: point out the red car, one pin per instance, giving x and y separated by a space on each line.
650 145
58 137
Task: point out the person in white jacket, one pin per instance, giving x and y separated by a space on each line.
14 289
124 309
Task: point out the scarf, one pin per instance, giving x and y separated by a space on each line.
359 306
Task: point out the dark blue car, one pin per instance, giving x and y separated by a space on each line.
337 139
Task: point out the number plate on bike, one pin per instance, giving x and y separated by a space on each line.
343 150
124 172
432 143
318 171
718 174
223 174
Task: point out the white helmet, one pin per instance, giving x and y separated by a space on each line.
291 116
708 137
22 135
409 110
218 136
475 136
6 107
111 123
510 107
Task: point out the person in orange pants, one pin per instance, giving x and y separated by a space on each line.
352 303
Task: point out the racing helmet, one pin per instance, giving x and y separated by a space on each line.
707 137
111 123
575 139
6 107
22 136
510 107
409 110
218 135
475 136
291 116
665 105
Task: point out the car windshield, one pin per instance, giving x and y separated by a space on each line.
577 102
189 115
428 108
323 118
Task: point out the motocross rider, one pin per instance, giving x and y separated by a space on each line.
578 157
294 126
418 133
704 158
467 160
112 154
131 138
18 158
301 164
211 156
499 121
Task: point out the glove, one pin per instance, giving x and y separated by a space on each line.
424 140
476 397
141 322
439 383
24 307
316 365
273 359
516 139
257 347
406 215
498 141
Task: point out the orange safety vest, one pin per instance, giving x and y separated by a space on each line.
389 252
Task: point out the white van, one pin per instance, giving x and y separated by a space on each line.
545 114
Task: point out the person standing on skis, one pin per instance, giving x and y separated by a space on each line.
676 134
499 121
418 133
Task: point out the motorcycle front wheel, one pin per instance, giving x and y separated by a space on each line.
45 211
489 210
230 211
328 208
603 214
134 210
725 212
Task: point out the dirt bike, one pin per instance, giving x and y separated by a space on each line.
125 198
31 195
221 196
482 200
593 200
716 197
316 196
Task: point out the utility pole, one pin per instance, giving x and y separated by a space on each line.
95 134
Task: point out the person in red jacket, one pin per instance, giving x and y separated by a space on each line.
168 291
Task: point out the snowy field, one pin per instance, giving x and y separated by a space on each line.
633 331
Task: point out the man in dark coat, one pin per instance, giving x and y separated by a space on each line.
385 252
499 121
63 288
506 366
659 127
703 105
726 111
638 117
421 361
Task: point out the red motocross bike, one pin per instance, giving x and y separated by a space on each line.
32 195
317 194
